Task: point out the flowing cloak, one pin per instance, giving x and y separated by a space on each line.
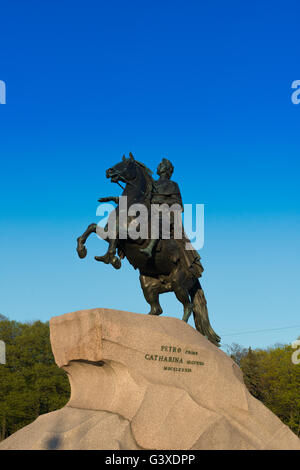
169 192
191 257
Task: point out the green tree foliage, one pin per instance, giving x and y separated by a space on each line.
252 374
271 376
30 382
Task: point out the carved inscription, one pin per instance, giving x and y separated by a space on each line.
174 358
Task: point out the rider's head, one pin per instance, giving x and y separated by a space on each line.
166 167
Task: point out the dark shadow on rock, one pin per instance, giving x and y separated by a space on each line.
94 363
53 443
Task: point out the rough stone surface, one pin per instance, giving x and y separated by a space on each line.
126 392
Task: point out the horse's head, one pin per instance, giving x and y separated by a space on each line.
124 171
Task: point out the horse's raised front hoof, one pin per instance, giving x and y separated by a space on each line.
116 262
103 259
81 250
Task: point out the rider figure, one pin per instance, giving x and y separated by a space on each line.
167 192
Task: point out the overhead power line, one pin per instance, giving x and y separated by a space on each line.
261 331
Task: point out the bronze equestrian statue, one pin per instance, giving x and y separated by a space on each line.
165 265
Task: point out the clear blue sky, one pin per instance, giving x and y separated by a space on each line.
206 84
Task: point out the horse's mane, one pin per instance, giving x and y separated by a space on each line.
150 173
149 179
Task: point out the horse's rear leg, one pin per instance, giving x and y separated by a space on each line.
81 249
182 295
151 289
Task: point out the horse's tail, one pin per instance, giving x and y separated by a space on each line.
200 312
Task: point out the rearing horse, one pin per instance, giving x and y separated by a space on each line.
171 268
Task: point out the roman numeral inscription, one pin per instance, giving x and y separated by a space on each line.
175 359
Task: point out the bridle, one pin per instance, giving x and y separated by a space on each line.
127 181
